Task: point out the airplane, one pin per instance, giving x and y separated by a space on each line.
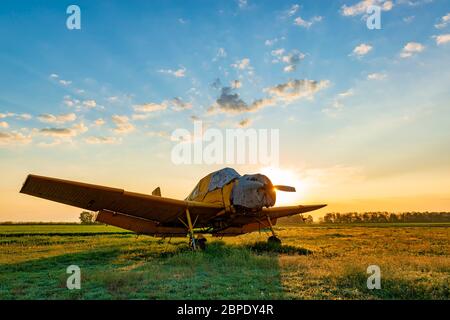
223 203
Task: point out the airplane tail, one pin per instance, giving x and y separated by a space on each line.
157 192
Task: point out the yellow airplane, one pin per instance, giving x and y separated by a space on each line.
223 203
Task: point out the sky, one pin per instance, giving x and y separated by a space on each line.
363 114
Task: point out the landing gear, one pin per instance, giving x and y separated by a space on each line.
273 239
194 243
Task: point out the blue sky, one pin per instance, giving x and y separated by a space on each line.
112 92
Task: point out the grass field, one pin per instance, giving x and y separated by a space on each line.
315 262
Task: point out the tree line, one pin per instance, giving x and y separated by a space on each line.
384 217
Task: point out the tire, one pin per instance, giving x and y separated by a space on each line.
274 241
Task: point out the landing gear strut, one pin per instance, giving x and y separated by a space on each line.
273 239
194 243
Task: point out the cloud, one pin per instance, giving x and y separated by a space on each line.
293 10
182 21
410 49
442 39
236 84
99 122
179 73
408 19
292 60
54 76
242 64
361 7
299 21
22 116
122 123
4 124
68 101
337 104
242 3
14 137
90 103
232 103
277 52
362 49
297 89
150 107
140 116
101 140
443 22
179 105
244 123
65 82
376 76
271 42
60 119
65 132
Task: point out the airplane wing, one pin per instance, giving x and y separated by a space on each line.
244 224
279 212
117 201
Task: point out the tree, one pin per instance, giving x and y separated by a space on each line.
86 217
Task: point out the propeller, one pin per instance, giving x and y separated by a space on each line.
284 188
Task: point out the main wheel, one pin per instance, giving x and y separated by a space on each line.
201 242
274 241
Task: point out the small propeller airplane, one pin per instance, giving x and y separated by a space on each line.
223 203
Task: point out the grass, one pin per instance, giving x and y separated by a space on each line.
314 262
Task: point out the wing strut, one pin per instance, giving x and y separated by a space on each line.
191 229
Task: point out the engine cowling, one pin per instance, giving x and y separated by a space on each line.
253 191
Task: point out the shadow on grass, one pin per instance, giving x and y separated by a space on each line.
265 247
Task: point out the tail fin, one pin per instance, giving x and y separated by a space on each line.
157 192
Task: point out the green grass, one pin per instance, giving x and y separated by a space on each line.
315 262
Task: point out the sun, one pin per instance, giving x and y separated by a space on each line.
286 177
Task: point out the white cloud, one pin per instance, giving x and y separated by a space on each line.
14 137
150 107
180 105
277 52
362 49
443 22
65 132
22 116
242 3
179 73
411 48
292 60
4 124
122 123
337 104
101 140
271 42
65 82
299 21
62 118
90 103
242 64
408 19
54 76
442 39
99 122
293 10
360 8
297 89
376 76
